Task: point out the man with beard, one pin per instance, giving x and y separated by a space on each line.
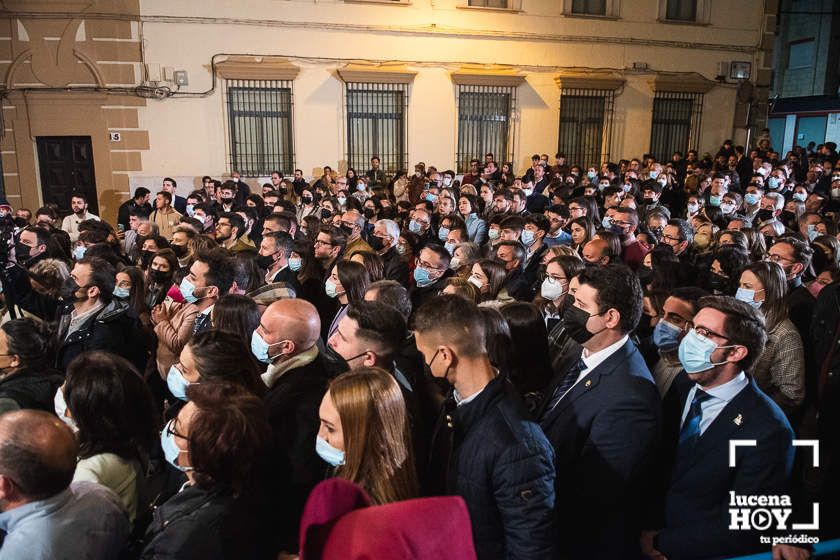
79 205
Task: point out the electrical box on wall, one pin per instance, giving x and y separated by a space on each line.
181 78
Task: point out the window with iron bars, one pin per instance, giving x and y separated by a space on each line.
675 123
586 117
260 124
485 123
376 125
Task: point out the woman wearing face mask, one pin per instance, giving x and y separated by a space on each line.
347 283
489 277
210 356
160 276
555 286
364 410
308 206
476 227
463 258
110 407
826 277
779 371
27 379
220 440
726 268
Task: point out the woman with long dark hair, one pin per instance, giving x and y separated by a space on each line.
347 283
110 406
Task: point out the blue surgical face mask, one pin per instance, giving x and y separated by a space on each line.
188 291
342 200
666 336
653 174
591 174
450 247
177 383
79 252
422 278
812 232
260 348
606 221
443 233
800 196
414 227
328 453
331 288
748 297
121 293
190 210
752 199
527 237
696 351
170 449
295 263
493 233
431 197
714 200
773 182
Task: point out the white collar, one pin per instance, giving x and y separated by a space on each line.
595 359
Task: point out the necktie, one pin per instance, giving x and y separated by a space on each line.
690 431
566 384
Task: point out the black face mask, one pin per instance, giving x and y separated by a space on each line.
267 211
306 199
159 276
388 213
226 200
68 291
326 213
348 231
645 275
376 243
719 283
265 261
575 320
368 213
788 218
22 252
20 222
763 215
146 258
819 261
179 250
769 240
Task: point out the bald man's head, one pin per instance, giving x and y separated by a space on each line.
596 251
292 319
37 455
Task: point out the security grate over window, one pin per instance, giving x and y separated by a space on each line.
586 117
485 123
376 125
675 124
260 125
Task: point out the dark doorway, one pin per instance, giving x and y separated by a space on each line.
66 164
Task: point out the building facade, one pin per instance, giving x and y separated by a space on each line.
805 104
104 96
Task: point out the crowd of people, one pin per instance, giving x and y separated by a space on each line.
568 351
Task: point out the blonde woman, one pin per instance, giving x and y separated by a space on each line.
364 434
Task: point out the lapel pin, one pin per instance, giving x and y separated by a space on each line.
588 383
738 420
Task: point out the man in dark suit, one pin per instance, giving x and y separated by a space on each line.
384 240
179 203
286 340
602 415
275 250
712 403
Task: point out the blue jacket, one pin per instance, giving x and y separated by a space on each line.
696 502
500 462
476 229
603 432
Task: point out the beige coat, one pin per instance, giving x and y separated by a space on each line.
173 335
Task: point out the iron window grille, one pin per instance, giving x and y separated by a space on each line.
586 118
681 10
589 7
488 3
376 125
485 123
260 126
676 123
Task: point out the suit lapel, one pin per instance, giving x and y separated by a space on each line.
734 417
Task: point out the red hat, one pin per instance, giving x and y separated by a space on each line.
340 524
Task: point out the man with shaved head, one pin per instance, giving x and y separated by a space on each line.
43 515
353 223
297 380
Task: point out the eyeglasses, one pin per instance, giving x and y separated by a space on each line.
423 264
321 242
776 258
170 429
703 331
670 238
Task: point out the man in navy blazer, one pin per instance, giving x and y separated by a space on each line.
602 417
711 403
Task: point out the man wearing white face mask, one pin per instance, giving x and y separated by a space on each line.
712 404
296 378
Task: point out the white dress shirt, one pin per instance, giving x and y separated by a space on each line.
720 397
